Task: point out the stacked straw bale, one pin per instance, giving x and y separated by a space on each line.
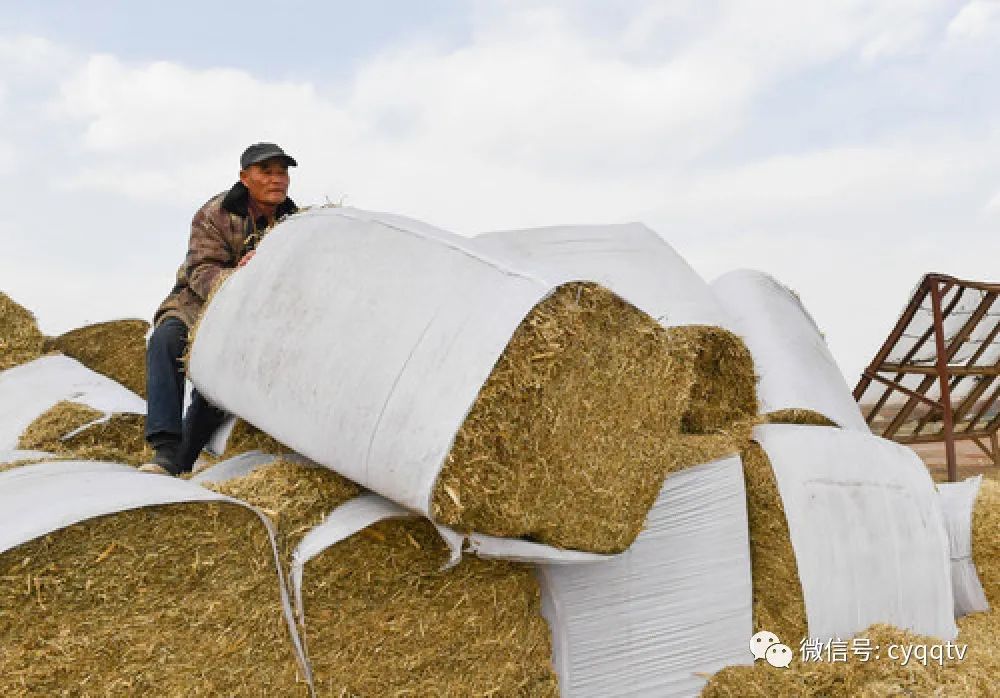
571 436
797 416
986 540
383 618
20 339
975 675
64 430
115 349
246 437
778 603
177 600
296 497
725 385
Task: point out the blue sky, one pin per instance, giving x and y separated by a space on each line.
293 39
846 147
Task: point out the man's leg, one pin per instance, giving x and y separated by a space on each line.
200 422
165 390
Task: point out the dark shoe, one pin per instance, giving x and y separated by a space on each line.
165 460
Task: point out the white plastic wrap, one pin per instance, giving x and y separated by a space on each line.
957 502
866 528
673 609
75 491
29 390
238 466
362 341
791 356
630 259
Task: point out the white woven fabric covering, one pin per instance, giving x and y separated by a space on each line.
29 390
867 530
676 606
958 499
75 491
790 355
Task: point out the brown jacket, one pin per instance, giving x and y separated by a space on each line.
221 233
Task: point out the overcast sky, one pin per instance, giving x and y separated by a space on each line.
846 147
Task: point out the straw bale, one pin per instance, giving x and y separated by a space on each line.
474 630
986 540
178 600
778 603
246 437
978 674
569 439
115 349
382 618
797 415
725 385
119 439
20 339
295 496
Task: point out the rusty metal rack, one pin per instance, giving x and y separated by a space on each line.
935 378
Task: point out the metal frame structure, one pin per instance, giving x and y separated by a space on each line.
953 390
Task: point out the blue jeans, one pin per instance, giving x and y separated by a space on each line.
165 398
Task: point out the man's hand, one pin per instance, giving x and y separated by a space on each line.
245 258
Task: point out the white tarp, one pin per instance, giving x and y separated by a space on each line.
29 390
75 491
673 609
957 502
867 530
791 356
361 341
630 259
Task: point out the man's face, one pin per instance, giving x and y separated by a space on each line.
267 181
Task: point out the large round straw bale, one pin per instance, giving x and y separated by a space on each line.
381 594
64 430
177 600
20 339
986 539
481 395
778 603
877 674
116 349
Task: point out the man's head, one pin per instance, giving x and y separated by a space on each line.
264 172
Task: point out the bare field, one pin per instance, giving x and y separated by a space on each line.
971 461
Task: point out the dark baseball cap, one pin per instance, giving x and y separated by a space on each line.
259 152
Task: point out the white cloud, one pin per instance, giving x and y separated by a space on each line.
27 57
531 114
993 205
8 159
978 19
542 118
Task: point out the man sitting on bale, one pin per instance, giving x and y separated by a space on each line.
224 234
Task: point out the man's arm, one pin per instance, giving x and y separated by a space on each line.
209 255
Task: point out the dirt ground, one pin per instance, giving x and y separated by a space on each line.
971 461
